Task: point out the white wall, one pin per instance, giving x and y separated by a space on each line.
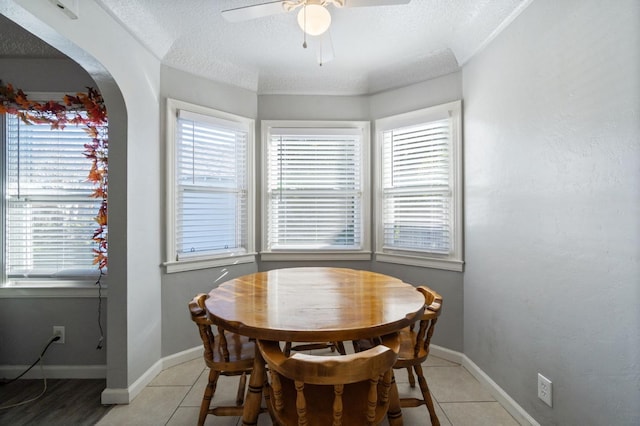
552 281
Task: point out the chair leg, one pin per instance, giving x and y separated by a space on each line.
394 413
426 394
340 347
266 393
241 388
412 379
287 349
209 391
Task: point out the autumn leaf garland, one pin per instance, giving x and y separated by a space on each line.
83 109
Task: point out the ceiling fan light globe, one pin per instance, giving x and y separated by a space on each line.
318 19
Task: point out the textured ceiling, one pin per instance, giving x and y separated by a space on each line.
375 48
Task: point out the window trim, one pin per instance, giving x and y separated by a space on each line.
455 260
322 254
54 289
214 260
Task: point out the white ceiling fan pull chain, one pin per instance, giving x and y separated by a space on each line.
304 30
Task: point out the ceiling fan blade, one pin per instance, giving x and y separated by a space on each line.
362 3
247 13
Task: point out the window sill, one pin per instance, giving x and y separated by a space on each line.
316 255
424 262
52 289
195 264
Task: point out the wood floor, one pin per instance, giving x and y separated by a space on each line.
66 402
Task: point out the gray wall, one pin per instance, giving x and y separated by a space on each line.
45 75
433 92
178 288
26 327
552 125
129 80
26 323
552 200
449 284
178 331
135 87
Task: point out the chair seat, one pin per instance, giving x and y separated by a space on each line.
240 353
406 356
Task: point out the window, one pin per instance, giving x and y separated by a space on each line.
315 194
419 188
47 211
210 191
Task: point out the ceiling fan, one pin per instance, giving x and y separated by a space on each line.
314 17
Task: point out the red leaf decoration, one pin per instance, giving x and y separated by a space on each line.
83 109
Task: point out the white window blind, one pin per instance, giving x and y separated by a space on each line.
49 214
211 186
417 194
314 189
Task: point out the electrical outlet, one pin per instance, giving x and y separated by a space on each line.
544 389
58 330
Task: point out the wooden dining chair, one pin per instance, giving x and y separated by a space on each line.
318 390
226 354
414 350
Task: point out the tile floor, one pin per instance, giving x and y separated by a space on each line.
173 398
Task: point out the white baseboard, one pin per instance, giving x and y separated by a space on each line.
182 357
447 354
55 371
496 391
115 396
125 396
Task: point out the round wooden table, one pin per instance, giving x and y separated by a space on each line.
314 304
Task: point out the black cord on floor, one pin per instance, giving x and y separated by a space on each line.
51 340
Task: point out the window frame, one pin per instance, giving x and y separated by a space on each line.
204 261
454 261
364 253
47 287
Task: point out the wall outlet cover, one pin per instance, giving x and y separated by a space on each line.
545 390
